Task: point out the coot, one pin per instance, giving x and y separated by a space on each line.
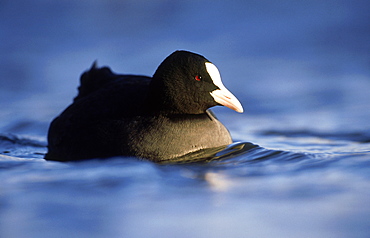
157 118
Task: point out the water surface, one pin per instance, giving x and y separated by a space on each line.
300 163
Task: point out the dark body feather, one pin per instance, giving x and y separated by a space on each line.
122 115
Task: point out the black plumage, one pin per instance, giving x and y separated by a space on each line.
157 118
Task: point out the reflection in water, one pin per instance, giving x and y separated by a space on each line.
217 181
299 67
241 180
213 154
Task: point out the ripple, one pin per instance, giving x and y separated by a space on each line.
362 137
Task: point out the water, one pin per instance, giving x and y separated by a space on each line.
300 69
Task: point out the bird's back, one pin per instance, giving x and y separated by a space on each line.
86 128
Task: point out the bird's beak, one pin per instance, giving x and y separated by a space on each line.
227 99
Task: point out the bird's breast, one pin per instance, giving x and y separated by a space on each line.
166 137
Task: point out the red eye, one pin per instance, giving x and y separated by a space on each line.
198 78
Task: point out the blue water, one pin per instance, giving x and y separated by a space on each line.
300 69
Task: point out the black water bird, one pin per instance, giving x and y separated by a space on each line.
157 118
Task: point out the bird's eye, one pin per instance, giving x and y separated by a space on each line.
198 78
